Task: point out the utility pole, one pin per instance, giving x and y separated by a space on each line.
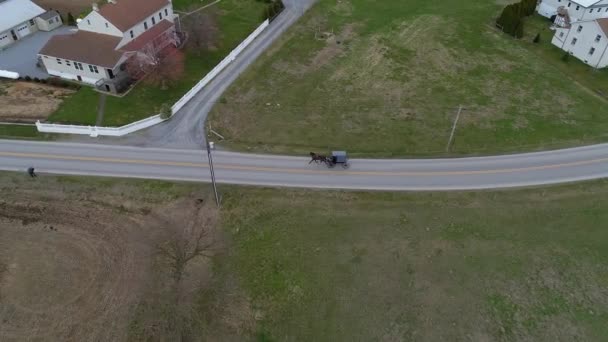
210 158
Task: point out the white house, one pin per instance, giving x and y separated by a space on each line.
576 10
586 40
106 38
17 20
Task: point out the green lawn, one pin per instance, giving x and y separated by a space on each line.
237 20
18 131
476 266
386 79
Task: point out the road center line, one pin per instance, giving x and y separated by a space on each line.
336 172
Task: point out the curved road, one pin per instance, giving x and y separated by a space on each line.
518 170
188 163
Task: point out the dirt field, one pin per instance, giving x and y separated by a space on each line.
101 261
65 6
28 102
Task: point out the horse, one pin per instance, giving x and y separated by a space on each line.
317 158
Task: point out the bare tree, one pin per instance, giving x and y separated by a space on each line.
190 236
158 67
203 31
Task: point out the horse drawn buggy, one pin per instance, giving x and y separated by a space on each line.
336 158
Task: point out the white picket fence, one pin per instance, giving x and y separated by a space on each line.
95 131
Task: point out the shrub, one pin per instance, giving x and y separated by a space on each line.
165 111
71 20
273 9
536 39
43 80
511 18
28 79
36 79
566 56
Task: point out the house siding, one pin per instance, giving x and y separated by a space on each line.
47 25
22 30
64 70
548 8
585 41
94 22
139 28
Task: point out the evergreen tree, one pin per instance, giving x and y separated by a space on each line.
519 29
71 20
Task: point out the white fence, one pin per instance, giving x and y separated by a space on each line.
218 68
95 131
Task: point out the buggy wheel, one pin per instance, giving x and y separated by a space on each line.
330 165
345 165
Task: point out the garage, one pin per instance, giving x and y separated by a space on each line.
22 31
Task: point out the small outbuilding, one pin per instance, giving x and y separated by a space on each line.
48 21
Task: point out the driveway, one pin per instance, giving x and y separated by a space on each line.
21 57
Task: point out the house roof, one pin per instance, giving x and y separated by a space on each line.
14 12
147 36
603 23
48 15
586 3
85 47
125 14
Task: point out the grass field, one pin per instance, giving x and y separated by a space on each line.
237 19
296 265
525 265
384 79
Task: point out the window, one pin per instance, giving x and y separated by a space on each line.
58 60
578 7
580 28
569 4
145 25
160 15
591 10
93 68
591 51
32 22
131 33
88 22
78 66
51 21
598 38
107 25
67 62
153 20
561 34
166 12
606 9
574 41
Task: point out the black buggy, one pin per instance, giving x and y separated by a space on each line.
338 157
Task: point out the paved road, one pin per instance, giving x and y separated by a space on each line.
191 165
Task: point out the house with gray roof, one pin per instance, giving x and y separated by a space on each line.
17 20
